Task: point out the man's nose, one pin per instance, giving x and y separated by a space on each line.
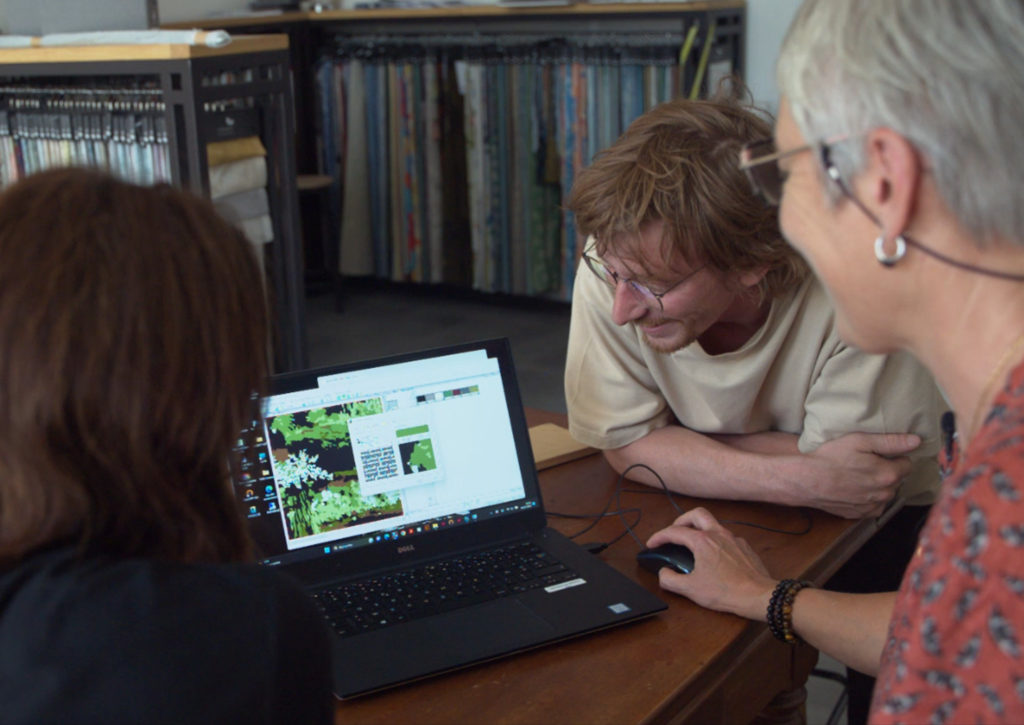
627 305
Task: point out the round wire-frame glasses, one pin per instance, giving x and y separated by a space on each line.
612 278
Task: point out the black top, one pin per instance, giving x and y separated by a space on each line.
133 641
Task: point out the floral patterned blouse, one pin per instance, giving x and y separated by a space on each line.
955 652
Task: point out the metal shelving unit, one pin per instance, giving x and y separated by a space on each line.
203 94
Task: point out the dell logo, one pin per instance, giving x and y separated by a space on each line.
406 549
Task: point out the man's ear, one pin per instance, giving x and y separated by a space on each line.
752 277
891 187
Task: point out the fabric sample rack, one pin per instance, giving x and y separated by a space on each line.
454 149
120 129
149 113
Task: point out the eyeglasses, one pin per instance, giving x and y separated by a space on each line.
612 278
761 162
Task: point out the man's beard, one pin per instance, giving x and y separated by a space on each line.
669 345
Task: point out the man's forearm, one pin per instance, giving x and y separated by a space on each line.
853 476
732 467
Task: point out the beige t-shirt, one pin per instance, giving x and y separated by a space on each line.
795 375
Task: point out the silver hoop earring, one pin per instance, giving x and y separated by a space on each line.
890 260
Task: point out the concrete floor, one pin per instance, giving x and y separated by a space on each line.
374 320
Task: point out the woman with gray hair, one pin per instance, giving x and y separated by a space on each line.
896 162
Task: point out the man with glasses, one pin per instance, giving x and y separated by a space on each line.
701 347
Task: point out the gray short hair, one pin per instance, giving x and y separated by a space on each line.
946 74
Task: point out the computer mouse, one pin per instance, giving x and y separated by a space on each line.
675 556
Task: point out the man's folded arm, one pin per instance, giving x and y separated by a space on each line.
852 476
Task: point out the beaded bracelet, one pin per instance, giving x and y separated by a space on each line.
780 609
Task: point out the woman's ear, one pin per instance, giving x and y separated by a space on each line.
893 180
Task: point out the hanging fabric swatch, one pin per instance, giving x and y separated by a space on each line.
120 129
455 151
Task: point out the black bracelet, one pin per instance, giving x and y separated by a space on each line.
780 609
774 614
773 605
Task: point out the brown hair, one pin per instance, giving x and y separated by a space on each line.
679 163
133 328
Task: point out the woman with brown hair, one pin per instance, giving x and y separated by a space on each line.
133 328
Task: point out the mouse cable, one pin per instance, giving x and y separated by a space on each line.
596 519
809 522
596 547
618 511
605 513
628 527
621 512
808 525
618 497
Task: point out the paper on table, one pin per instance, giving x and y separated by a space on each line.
553 445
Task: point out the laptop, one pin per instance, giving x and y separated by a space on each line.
362 475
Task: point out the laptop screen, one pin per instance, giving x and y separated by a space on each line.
392 451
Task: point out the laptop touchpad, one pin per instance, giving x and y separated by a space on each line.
494 628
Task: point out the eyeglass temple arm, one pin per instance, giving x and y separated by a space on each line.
833 173
747 162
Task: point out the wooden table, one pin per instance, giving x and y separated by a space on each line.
687 664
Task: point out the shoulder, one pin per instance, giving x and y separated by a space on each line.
1003 427
119 631
809 302
589 292
595 341
997 452
802 318
814 321
61 575
957 619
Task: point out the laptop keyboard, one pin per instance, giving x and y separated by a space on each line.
437 587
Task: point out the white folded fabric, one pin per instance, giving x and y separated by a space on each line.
236 176
244 205
259 230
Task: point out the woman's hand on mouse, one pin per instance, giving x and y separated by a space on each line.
727 575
